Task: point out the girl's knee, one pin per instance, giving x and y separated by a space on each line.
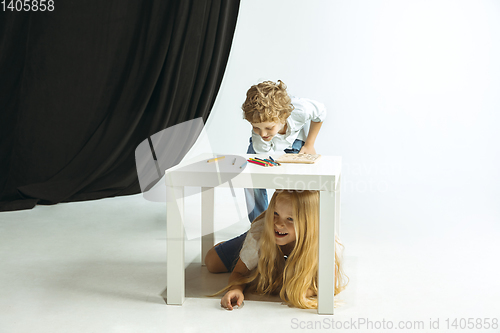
213 262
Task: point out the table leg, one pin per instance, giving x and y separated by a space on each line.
207 221
326 270
175 245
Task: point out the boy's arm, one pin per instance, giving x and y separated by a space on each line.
308 147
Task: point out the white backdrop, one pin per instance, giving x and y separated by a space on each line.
413 93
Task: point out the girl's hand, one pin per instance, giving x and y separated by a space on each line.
231 298
307 149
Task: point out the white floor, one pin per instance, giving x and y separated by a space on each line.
99 266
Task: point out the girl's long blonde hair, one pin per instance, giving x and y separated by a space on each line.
292 278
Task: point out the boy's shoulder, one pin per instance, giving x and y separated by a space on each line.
305 103
305 109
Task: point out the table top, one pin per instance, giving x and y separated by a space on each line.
230 171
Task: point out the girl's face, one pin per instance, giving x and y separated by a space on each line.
284 231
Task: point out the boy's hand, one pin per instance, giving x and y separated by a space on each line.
231 298
307 149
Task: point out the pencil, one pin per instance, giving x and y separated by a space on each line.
273 163
257 162
234 161
263 161
272 159
216 159
243 164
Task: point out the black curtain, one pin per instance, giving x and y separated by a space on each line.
84 84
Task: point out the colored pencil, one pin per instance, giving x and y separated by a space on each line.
255 160
273 163
272 159
243 164
267 161
259 163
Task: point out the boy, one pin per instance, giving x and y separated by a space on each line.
278 122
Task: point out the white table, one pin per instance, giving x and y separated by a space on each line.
324 176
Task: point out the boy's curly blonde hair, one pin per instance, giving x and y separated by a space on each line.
267 101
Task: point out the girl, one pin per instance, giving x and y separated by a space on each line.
280 253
